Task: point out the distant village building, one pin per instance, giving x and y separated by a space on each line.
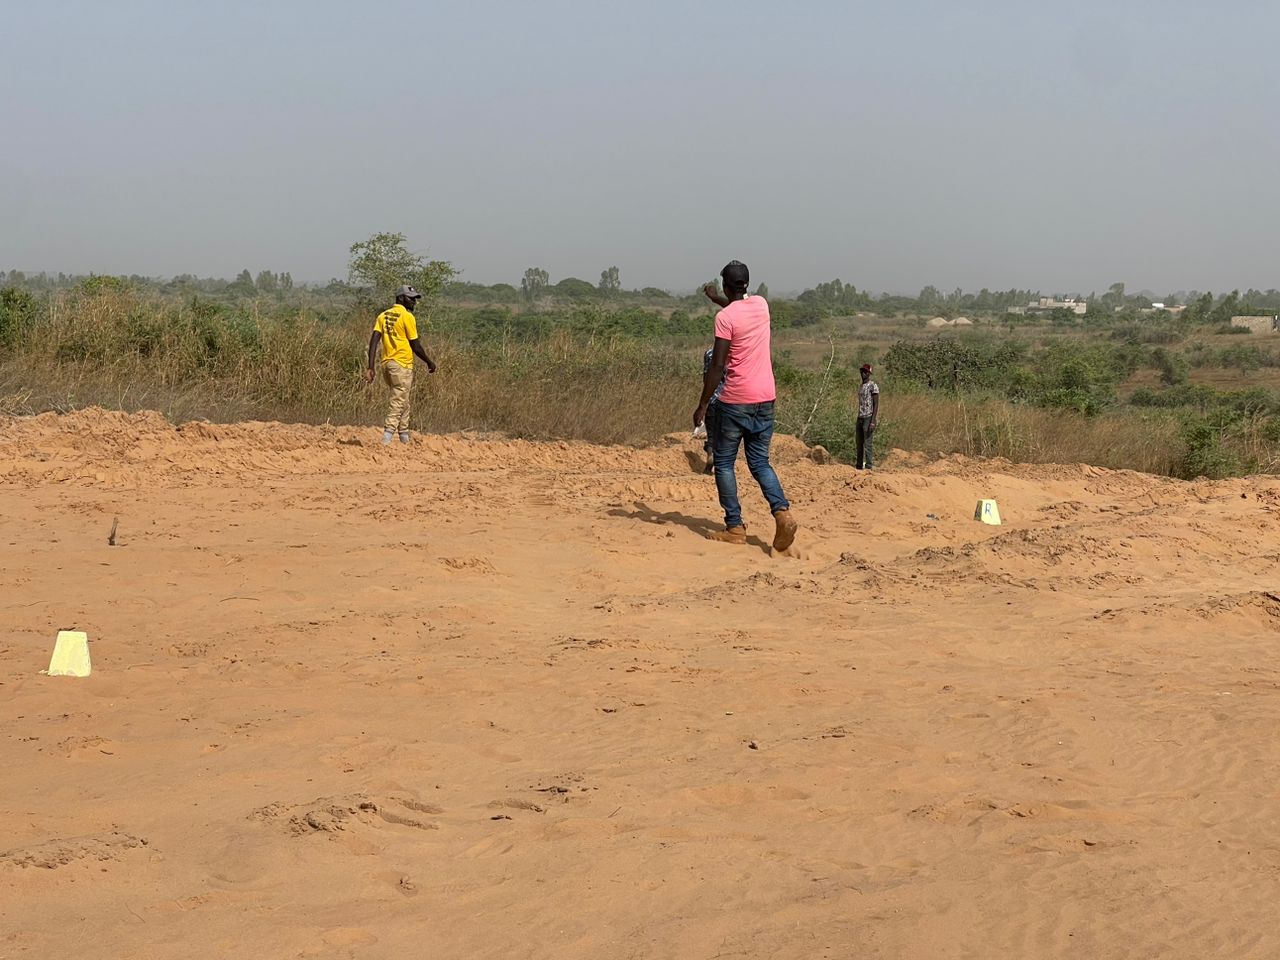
1257 324
1076 306
1049 304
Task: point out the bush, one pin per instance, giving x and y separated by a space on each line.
1172 367
575 289
1246 357
952 364
18 310
95 284
1067 376
1203 452
1135 331
1078 378
792 313
1183 395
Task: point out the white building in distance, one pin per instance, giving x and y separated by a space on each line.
1049 304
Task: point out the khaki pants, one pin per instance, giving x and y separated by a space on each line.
400 380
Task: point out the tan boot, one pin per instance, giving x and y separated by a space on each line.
732 535
785 531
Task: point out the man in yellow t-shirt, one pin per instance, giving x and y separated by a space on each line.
395 332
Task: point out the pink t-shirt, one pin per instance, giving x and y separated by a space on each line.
749 373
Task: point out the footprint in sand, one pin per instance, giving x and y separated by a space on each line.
333 815
517 805
472 564
89 747
189 649
342 938
51 854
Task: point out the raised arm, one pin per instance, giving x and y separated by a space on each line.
712 293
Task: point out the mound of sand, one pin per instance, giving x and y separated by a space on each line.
480 697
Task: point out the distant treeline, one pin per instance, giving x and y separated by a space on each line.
536 293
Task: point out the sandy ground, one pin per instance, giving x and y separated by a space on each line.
485 698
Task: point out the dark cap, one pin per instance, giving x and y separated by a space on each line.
407 291
735 273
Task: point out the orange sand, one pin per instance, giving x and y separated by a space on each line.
486 698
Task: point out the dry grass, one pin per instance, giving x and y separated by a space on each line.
1132 440
132 351
127 352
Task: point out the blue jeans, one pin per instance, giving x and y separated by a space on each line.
751 425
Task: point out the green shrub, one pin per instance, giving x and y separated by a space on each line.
18 310
1172 367
954 364
95 284
1204 454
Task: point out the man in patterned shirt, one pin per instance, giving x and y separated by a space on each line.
868 416
713 416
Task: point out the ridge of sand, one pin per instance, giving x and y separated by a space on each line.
482 697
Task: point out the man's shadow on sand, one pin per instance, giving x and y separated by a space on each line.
698 525
697 462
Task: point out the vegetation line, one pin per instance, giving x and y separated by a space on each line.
1120 385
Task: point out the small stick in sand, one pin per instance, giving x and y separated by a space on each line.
111 538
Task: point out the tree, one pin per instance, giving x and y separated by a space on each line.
575 289
1198 308
534 282
381 263
243 284
266 282
763 291
1224 311
610 282
930 298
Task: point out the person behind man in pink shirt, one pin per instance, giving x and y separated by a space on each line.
742 358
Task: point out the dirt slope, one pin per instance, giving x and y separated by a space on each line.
489 698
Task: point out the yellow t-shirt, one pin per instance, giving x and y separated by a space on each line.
397 327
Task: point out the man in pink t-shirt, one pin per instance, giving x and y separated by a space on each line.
742 357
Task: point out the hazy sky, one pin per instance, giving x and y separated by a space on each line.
1058 146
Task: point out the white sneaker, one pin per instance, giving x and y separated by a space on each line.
404 436
387 436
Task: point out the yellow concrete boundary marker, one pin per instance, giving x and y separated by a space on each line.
988 512
70 655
